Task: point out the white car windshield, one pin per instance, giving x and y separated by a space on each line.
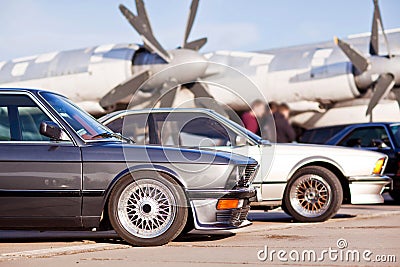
241 128
84 124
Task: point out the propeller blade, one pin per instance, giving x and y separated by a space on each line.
145 33
374 41
357 59
189 24
376 24
168 98
203 99
196 45
124 89
383 86
141 10
397 94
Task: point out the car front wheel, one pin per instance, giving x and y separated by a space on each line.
314 194
148 209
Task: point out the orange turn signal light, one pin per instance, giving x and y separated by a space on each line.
378 166
226 204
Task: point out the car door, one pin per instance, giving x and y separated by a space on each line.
40 179
374 138
200 130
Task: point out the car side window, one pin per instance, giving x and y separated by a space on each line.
20 119
192 130
133 126
5 131
321 135
205 132
375 136
30 119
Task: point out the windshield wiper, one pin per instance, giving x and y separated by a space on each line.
114 135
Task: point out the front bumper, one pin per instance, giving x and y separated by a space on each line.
368 189
206 216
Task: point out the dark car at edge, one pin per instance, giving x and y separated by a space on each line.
383 137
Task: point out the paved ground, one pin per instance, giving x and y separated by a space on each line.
372 231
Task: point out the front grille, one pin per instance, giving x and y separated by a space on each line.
234 217
249 174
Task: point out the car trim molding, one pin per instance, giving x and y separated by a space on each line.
51 193
40 193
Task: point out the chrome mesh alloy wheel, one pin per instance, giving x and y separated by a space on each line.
310 195
146 208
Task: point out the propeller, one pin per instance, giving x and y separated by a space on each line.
168 97
383 86
381 73
154 59
195 45
142 26
357 58
124 89
203 99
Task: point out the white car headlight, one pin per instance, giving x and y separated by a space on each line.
379 166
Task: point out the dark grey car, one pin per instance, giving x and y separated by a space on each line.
61 169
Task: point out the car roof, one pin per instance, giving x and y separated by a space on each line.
354 125
152 110
31 90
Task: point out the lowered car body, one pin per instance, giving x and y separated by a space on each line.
61 169
308 181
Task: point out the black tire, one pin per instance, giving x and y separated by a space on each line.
189 226
395 194
166 207
313 194
283 207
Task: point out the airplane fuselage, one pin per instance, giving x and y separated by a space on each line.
317 72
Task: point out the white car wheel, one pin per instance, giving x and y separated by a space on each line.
313 194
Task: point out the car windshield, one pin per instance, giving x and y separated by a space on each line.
395 128
84 124
250 134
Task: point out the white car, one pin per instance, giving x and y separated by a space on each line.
310 182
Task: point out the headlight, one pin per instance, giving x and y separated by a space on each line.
236 177
379 166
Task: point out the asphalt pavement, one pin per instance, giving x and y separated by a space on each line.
359 235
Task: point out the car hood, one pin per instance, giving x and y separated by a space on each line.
294 148
116 151
352 162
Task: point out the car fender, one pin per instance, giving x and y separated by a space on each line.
309 161
143 167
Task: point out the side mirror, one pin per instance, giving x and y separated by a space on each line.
241 140
53 131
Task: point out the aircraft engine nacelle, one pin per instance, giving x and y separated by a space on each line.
304 74
313 84
378 64
185 66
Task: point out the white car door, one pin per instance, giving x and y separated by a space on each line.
196 129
